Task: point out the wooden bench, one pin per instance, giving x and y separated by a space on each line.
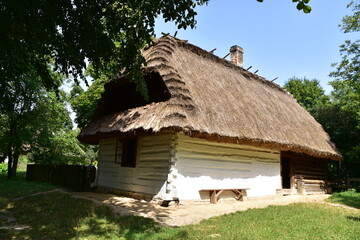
215 193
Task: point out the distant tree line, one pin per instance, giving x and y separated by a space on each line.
340 122
339 112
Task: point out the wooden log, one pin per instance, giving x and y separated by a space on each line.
214 194
213 198
300 187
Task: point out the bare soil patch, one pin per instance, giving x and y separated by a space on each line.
190 212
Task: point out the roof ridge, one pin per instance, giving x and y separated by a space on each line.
201 52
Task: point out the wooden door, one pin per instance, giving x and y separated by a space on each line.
286 172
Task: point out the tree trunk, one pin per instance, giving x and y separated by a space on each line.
10 161
15 164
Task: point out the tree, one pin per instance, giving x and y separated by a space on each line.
301 5
346 96
17 99
341 125
339 122
34 120
347 74
308 93
54 141
107 33
84 103
61 147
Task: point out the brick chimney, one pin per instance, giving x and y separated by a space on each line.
236 55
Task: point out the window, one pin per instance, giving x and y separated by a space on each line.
126 152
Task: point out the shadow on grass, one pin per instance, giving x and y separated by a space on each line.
350 198
18 187
60 216
356 219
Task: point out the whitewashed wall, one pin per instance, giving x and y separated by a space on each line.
151 171
202 164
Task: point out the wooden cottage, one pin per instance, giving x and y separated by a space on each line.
208 124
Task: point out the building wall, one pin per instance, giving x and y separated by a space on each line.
202 164
151 171
312 171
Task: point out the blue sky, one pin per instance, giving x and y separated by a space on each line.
278 40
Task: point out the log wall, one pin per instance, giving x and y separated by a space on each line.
150 172
313 172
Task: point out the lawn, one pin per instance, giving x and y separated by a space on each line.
18 187
350 198
59 216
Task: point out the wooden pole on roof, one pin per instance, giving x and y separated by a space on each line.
226 55
212 51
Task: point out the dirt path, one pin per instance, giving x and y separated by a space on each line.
190 212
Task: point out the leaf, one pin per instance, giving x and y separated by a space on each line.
300 6
307 9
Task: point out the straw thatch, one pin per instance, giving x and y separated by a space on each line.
211 98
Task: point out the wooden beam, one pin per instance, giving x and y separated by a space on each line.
292 175
300 187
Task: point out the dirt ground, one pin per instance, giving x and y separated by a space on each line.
189 212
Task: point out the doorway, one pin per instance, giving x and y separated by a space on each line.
285 172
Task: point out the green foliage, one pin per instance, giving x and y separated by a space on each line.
55 142
346 98
308 93
350 198
18 98
3 167
341 124
351 23
91 153
301 5
347 74
110 34
36 122
62 147
340 118
84 103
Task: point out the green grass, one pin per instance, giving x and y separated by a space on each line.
18 187
350 198
60 216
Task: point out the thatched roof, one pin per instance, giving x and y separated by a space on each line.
208 97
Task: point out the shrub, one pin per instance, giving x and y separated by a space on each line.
3 167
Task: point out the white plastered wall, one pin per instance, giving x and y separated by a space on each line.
203 164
